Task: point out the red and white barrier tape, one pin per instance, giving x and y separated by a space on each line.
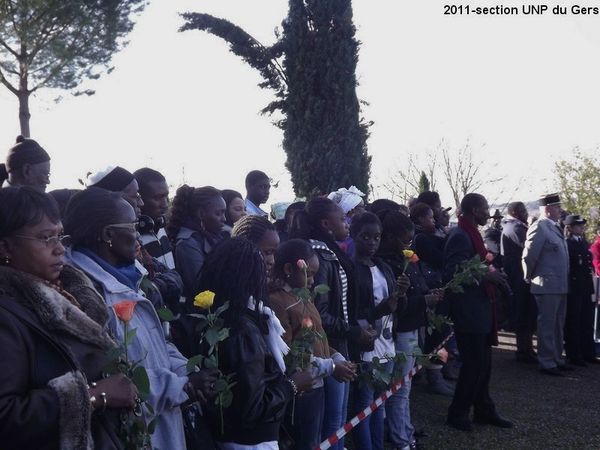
348 426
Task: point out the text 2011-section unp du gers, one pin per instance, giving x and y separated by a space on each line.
526 10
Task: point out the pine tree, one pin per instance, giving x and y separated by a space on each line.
311 69
58 43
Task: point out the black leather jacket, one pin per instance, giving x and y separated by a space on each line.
262 392
338 330
366 308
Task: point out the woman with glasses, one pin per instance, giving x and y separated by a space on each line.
103 232
52 340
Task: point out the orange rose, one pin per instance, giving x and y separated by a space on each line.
414 258
307 322
124 310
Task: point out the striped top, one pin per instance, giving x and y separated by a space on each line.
159 247
318 245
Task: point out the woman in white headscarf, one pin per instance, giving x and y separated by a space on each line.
351 202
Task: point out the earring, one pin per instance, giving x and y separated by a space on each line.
288 275
7 260
110 243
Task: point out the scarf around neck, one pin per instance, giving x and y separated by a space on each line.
275 342
127 275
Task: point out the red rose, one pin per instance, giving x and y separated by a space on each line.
124 310
307 322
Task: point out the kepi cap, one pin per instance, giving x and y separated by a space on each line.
549 199
574 219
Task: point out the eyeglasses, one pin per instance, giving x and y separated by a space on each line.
131 226
50 241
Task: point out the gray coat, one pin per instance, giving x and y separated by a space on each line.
546 259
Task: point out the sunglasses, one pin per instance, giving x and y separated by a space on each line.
131 226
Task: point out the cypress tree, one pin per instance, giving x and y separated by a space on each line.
312 69
424 184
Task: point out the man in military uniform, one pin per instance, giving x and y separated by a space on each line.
546 267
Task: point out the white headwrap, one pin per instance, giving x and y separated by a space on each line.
347 199
276 344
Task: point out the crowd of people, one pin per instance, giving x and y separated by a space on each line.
72 258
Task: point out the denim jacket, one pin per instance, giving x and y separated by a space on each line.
163 362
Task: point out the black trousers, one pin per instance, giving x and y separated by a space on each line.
472 387
579 327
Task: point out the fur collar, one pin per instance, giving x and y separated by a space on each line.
54 310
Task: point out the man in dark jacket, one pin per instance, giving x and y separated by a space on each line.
523 308
579 323
473 316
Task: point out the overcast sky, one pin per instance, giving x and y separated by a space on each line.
524 90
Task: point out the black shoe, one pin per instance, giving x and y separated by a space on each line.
551 371
578 362
566 367
495 420
526 358
460 423
592 360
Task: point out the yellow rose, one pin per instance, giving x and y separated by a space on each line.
204 299
408 253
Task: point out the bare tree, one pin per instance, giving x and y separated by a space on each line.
404 182
465 171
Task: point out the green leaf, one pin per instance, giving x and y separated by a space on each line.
141 381
400 358
212 336
221 385
211 363
165 314
223 334
193 362
201 317
221 309
226 399
321 289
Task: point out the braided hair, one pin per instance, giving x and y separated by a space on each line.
235 271
186 203
252 228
